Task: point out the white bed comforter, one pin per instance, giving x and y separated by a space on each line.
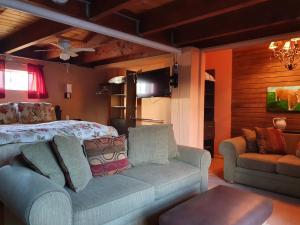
29 133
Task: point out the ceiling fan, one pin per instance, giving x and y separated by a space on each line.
66 50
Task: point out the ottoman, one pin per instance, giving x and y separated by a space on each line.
220 206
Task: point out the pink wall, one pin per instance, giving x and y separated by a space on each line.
84 104
221 61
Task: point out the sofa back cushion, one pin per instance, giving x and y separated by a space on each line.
8 113
292 141
69 153
41 159
172 145
35 112
149 144
107 155
270 141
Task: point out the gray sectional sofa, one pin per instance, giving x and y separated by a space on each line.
137 196
278 173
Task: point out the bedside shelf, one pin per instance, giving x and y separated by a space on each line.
119 95
118 107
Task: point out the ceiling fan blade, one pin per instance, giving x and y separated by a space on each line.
57 45
83 50
64 56
46 50
71 53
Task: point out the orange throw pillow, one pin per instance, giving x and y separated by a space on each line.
270 141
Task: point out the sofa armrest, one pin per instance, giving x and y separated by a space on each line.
231 149
33 198
199 158
194 156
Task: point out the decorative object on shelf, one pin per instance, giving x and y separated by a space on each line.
117 80
68 91
287 52
279 123
283 99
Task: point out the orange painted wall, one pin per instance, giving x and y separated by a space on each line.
84 104
221 61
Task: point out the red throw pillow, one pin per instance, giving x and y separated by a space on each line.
107 155
298 150
270 141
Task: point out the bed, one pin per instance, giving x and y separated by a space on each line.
12 136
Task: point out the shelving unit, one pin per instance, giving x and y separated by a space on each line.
122 98
209 111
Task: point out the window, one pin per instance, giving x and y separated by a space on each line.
16 80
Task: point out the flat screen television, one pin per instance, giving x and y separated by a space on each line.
154 83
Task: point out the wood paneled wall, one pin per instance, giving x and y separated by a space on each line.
253 71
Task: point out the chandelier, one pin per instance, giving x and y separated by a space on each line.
287 52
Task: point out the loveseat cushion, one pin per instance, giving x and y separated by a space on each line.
107 198
256 161
166 179
289 165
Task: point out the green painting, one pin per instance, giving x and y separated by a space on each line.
283 99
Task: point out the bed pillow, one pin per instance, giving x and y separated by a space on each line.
107 155
75 166
250 137
40 158
8 113
270 141
148 144
37 112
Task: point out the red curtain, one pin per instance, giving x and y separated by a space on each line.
36 82
2 79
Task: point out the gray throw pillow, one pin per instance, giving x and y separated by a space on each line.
251 143
71 158
40 158
148 144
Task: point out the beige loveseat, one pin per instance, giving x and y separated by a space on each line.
278 173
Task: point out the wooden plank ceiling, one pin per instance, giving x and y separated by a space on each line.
199 23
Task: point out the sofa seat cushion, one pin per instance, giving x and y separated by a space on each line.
261 162
289 165
108 198
166 179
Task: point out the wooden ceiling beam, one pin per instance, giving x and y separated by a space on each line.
111 50
285 27
37 31
248 19
181 12
72 8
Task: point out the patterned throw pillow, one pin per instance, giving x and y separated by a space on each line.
298 153
298 150
270 141
250 136
38 112
107 155
8 113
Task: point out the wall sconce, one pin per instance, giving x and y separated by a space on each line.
68 91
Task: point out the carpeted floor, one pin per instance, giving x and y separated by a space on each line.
286 209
